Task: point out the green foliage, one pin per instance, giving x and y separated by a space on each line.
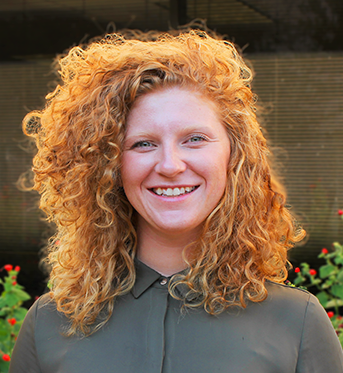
11 314
328 283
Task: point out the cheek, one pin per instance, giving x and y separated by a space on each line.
219 164
130 186
218 174
133 173
128 173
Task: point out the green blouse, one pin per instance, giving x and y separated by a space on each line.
289 332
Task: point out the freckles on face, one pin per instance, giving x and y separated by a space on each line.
175 160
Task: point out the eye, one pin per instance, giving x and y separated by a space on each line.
197 138
142 144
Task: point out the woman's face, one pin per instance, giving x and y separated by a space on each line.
175 160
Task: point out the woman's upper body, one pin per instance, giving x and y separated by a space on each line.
289 332
152 150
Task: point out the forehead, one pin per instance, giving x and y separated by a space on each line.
173 106
190 91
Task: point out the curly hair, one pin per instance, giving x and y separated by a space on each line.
79 136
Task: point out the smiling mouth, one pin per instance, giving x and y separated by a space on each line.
173 192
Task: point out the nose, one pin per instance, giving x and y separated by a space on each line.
170 162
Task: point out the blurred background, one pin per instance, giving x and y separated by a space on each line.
295 48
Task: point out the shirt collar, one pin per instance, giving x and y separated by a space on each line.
146 276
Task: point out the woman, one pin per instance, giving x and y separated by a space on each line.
172 233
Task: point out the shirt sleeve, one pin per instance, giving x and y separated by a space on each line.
320 350
24 357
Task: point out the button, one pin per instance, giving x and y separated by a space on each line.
163 281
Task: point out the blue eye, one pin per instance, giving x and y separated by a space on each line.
142 144
197 139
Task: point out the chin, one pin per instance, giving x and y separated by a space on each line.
180 229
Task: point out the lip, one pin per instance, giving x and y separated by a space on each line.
174 186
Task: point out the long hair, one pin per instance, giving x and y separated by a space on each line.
79 136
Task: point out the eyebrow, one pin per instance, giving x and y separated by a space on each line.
189 128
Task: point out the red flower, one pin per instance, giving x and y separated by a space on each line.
340 212
325 251
13 277
8 267
12 321
312 272
14 283
6 357
331 314
297 270
17 268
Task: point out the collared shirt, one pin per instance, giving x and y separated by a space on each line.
289 332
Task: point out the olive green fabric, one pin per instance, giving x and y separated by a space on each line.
288 332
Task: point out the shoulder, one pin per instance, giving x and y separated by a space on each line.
45 301
282 286
24 357
281 293
43 320
47 316
290 303
41 308
318 347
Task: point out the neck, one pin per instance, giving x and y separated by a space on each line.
162 252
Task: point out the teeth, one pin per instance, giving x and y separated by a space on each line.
158 191
176 192
170 192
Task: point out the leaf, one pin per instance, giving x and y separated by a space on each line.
316 281
299 280
20 294
337 246
327 284
337 291
5 311
340 276
9 300
339 259
2 301
19 313
13 297
333 303
305 267
326 270
331 255
323 298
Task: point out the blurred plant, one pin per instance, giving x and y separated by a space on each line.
11 314
328 282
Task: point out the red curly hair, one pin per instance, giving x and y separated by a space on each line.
79 136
